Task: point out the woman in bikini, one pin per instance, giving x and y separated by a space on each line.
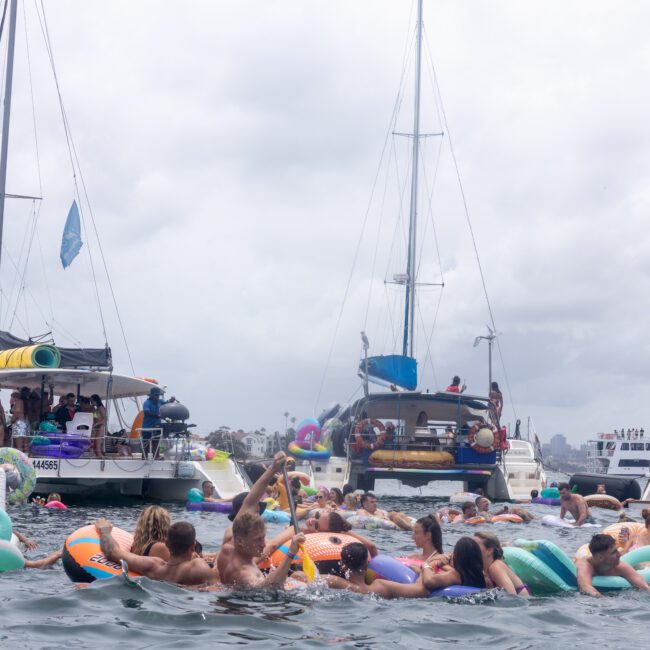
497 572
150 533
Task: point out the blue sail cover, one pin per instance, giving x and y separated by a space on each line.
394 368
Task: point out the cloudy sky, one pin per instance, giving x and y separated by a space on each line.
232 153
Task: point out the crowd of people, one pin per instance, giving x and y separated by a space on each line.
169 551
30 411
629 434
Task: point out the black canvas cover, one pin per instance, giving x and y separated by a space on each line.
70 357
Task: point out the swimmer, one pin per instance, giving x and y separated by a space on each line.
469 511
499 573
605 560
369 508
427 536
482 505
207 488
354 560
182 568
466 568
575 504
249 541
150 534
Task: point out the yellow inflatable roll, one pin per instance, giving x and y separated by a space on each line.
31 356
411 459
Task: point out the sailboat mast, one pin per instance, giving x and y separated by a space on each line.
7 114
409 306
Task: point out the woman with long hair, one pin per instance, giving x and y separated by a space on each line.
99 424
150 535
466 568
427 535
496 570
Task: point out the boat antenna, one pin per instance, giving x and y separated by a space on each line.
6 114
409 303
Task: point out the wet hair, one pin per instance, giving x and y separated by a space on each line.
198 547
96 399
354 556
431 526
206 482
152 526
245 523
338 496
491 541
336 523
365 496
534 494
53 496
467 505
479 498
273 481
347 489
351 501
468 561
181 538
563 486
600 543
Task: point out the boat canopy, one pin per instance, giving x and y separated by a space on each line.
393 368
70 357
66 380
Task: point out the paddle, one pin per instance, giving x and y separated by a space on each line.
308 566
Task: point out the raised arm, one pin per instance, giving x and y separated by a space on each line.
259 487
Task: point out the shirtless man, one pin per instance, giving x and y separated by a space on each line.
469 511
369 509
605 560
575 504
183 566
354 560
249 540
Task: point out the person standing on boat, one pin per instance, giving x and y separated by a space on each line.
66 411
151 419
496 397
455 386
19 424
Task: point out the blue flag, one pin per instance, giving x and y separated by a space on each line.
71 241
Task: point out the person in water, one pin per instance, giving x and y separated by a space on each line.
469 511
369 509
466 568
249 541
642 539
354 560
455 386
483 506
575 504
150 535
495 569
427 536
183 566
605 560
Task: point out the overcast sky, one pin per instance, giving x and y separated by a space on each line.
230 150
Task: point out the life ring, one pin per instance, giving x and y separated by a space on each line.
475 437
360 443
476 520
83 560
10 557
25 487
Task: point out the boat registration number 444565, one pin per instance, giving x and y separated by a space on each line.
40 463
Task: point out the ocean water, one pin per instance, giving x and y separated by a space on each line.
43 609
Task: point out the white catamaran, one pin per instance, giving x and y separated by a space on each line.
64 464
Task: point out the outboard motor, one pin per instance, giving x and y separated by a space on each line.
173 417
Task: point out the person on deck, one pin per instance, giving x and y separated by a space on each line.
65 412
455 386
19 423
151 419
496 397
99 424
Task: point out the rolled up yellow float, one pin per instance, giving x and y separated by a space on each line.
31 356
411 459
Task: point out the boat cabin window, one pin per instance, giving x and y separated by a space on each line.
625 446
647 446
634 462
637 446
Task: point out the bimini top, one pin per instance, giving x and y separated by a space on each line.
66 380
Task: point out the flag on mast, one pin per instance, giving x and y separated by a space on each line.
71 241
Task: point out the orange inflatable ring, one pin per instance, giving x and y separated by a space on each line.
360 443
471 439
475 520
323 548
83 559
515 519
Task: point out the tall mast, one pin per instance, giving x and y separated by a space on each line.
409 303
7 114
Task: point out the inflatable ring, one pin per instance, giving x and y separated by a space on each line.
55 505
83 560
209 506
476 520
360 443
389 568
304 450
26 471
10 557
472 435
603 501
512 518
308 430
